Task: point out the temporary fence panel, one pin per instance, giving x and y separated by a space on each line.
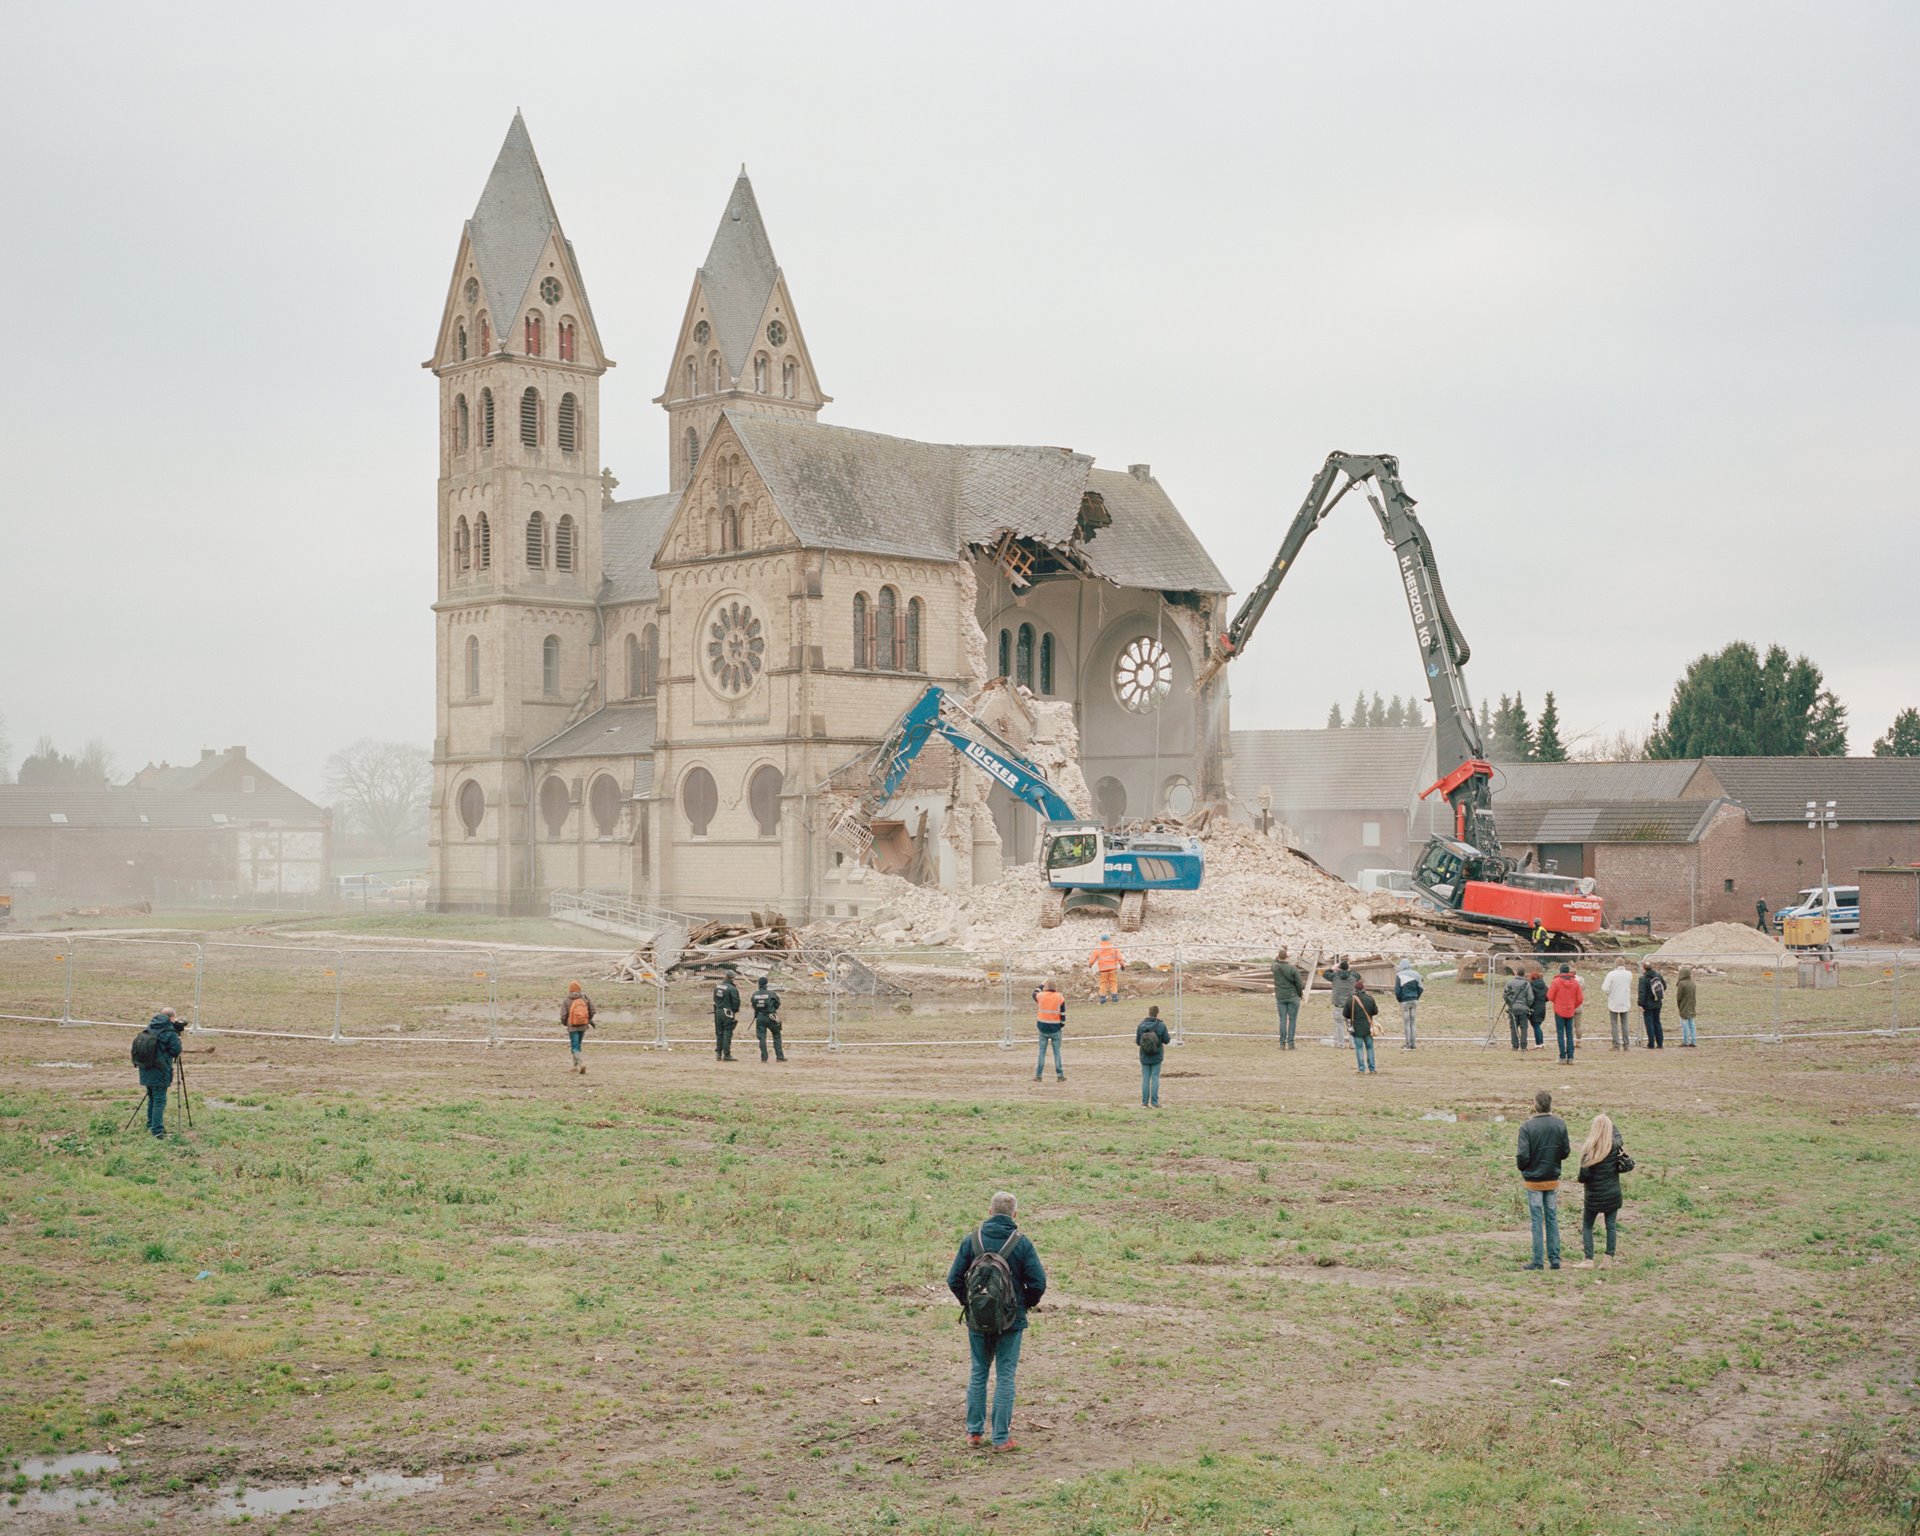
429 995
126 981
36 978
263 989
918 998
530 988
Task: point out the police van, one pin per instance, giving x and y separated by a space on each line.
1839 904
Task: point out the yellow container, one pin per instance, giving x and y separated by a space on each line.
1807 932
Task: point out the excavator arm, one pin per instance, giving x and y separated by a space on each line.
935 714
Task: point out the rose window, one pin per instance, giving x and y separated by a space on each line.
1143 676
550 289
736 648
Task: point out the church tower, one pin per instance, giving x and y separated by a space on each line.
519 364
740 343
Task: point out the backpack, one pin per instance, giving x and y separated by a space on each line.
1657 988
993 1304
1147 1037
577 1014
146 1048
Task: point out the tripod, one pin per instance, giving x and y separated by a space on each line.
146 1098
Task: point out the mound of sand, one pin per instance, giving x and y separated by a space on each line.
1724 944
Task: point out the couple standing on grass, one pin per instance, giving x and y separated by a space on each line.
1543 1147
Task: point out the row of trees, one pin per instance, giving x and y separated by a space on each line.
1395 711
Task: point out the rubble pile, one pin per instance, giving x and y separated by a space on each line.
1724 944
765 937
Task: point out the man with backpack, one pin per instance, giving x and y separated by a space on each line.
766 1017
726 1014
1653 997
995 1276
155 1049
576 1018
1151 1036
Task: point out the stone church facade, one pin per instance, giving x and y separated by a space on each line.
649 696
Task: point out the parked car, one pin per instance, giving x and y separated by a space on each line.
1839 904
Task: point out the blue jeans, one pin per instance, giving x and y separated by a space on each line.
157 1111
1289 1019
1002 1353
1049 1037
1543 1210
574 1037
1563 1035
1686 1032
1150 1081
1363 1053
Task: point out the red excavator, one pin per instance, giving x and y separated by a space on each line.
1465 874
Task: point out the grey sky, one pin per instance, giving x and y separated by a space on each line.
1629 289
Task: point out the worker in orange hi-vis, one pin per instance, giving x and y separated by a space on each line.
1105 962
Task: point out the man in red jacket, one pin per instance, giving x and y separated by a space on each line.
1564 996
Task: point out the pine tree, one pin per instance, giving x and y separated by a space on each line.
1902 738
1377 714
1547 745
1512 738
1413 713
1359 715
1396 712
1486 724
1334 721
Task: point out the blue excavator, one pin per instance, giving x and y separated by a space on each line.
1087 865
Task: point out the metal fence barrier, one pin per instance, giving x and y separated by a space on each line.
453 994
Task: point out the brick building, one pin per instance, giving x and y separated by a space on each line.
647 695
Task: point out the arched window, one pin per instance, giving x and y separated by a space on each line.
563 543
533 333
916 620
554 804
760 373
530 417
693 386
483 540
862 633
603 800
1006 653
472 805
789 377
473 666
633 666
714 373
1110 800
886 632
486 418
536 542
568 430
462 545
460 341
460 424
1046 663
649 661
486 335
693 450
566 342
699 798
729 530
763 795
550 666
1023 657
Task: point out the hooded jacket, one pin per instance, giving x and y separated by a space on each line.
1029 1279
1517 996
1653 991
167 1033
1287 983
1566 994
1407 986
1341 978
566 1007
1686 996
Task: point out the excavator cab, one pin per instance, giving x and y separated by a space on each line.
1075 856
1442 873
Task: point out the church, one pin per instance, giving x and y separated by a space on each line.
654 696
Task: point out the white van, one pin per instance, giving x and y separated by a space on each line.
1397 883
1840 904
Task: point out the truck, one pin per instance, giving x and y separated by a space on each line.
1466 874
1088 865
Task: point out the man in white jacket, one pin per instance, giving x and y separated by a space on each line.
1618 985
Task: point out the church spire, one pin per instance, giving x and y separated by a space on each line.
738 275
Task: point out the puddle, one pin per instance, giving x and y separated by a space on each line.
62 1500
36 1467
79 1066
245 1109
323 1494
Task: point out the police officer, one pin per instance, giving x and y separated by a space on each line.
766 1017
726 1013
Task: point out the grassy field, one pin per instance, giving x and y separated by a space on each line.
674 1296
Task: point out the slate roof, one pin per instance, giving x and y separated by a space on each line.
630 535
1645 820
511 225
619 730
1778 788
1334 770
1149 543
174 809
1555 783
738 275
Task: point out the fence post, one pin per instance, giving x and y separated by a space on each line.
339 965
660 1012
199 963
1006 1007
66 1008
1179 995
833 1001
493 1001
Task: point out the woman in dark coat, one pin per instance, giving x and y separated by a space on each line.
1602 1160
1537 1012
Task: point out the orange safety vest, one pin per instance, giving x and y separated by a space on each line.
1106 957
1052 1006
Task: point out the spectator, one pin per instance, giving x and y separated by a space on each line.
996 1277
1618 986
1603 1158
1341 978
1105 963
1517 998
1543 1147
1686 1002
1566 995
576 1018
155 1049
1407 988
1537 1003
1653 993
1151 1036
1288 985
1361 1009
1050 1019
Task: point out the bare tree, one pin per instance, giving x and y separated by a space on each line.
47 767
1621 746
383 787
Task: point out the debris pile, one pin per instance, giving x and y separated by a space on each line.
718 945
1724 944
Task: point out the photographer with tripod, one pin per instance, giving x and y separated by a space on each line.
156 1053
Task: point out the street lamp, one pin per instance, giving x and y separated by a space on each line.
1820 817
